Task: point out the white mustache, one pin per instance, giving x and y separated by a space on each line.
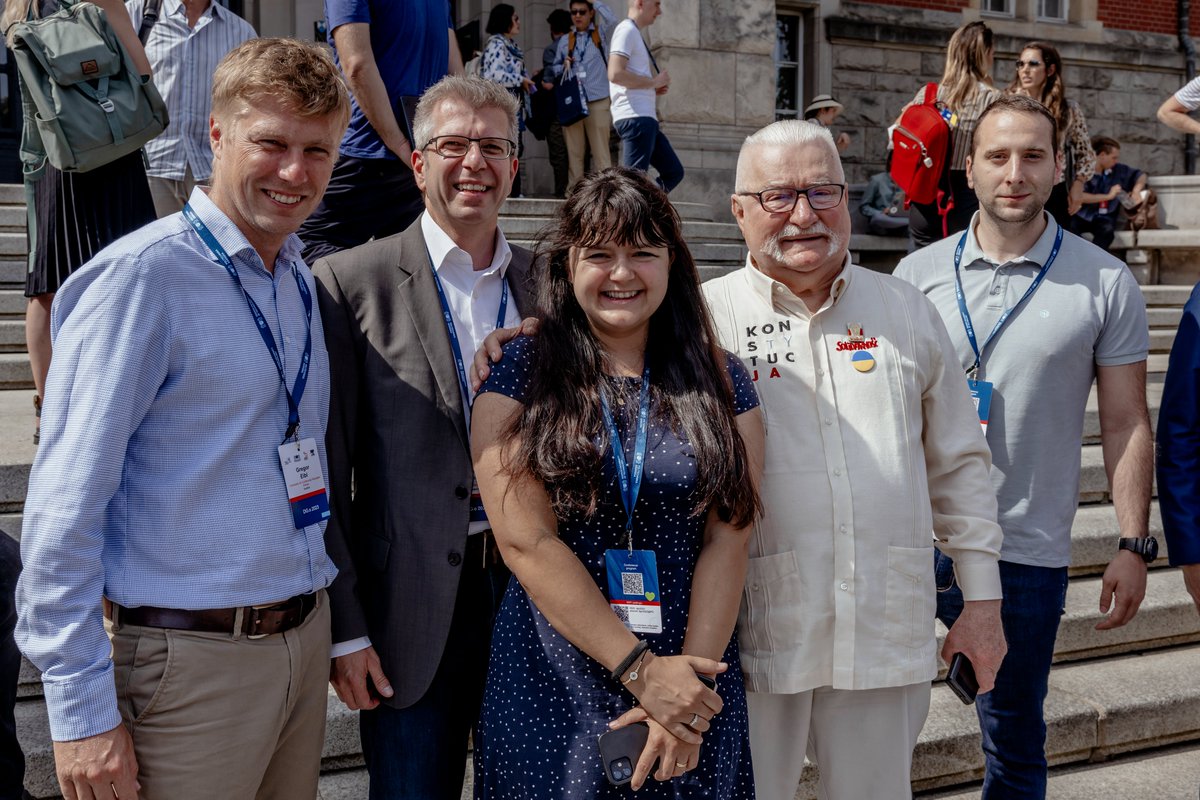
772 247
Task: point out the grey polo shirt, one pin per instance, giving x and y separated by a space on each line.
1087 312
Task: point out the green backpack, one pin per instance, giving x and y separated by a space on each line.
85 103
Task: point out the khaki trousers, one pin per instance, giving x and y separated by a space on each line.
213 716
860 739
169 195
591 132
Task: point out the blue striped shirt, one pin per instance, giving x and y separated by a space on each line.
183 60
158 480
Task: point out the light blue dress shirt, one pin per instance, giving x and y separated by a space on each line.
587 57
158 479
184 60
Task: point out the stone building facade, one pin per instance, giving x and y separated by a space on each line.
738 64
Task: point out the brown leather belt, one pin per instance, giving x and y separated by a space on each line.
254 621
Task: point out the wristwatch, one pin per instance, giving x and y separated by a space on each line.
1146 547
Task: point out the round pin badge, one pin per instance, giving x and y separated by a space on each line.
863 361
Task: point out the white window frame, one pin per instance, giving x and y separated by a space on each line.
799 65
1065 8
1009 11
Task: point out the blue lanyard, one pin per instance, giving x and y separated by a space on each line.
463 386
962 302
260 321
630 479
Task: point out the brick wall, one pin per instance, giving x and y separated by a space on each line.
1151 16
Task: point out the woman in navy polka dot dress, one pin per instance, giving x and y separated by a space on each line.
623 329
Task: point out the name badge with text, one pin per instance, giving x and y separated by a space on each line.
305 482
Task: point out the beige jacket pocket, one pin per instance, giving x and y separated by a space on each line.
911 599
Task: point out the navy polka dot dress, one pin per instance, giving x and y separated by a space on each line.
546 701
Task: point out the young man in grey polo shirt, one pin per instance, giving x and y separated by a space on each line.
1048 313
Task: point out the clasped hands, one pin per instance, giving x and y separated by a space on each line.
678 708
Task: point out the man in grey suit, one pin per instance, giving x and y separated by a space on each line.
419 579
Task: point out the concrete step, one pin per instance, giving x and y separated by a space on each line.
15 372
1170 773
12 334
13 244
12 194
12 271
1166 295
1164 316
547 207
12 303
13 217
1161 339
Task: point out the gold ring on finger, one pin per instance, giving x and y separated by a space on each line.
681 765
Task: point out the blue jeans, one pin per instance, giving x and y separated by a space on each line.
420 752
645 146
1010 716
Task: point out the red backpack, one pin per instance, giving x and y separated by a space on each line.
920 149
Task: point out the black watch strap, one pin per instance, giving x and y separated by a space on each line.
1146 547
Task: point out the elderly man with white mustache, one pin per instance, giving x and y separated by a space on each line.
874 457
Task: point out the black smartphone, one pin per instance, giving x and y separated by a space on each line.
961 679
708 681
620 751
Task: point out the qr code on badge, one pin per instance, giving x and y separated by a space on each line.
622 613
631 584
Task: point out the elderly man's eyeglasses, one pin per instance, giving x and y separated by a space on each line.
491 147
780 200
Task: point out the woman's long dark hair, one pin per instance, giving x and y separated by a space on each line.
561 424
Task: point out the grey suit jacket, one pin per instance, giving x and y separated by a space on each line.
397 434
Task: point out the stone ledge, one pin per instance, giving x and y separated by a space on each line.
1157 775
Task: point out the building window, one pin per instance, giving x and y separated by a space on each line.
789 70
1052 10
1002 8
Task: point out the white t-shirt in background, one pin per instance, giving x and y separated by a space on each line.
629 103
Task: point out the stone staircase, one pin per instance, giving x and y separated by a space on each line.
1124 706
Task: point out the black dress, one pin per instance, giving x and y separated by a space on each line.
80 213
546 701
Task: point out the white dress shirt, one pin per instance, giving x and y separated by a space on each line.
864 468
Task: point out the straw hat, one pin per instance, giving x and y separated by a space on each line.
823 101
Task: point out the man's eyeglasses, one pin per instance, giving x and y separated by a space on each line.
491 147
580 12
780 200
1033 62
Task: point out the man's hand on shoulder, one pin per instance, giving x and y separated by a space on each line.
491 350
349 674
99 767
979 635
1125 579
